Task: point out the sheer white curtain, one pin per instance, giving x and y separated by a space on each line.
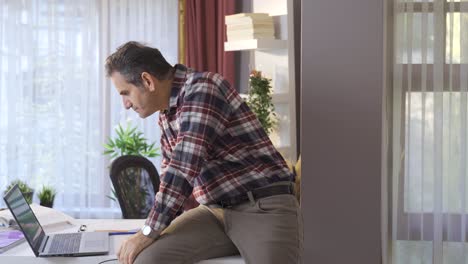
430 177
56 106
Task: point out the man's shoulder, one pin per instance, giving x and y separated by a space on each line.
205 77
211 83
206 82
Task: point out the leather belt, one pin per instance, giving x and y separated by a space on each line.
255 195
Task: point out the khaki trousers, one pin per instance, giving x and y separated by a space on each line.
266 231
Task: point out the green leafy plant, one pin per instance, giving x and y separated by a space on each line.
113 195
24 188
129 141
47 196
260 100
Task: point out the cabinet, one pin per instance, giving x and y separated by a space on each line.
275 58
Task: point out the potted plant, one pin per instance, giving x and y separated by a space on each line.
260 100
47 196
24 188
130 141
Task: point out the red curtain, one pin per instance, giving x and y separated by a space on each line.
205 36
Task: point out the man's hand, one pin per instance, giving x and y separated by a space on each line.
131 247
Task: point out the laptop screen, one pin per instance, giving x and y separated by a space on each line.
25 218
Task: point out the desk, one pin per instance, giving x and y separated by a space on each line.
54 221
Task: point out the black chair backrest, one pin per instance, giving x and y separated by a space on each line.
136 181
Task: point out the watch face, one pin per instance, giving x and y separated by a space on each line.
146 230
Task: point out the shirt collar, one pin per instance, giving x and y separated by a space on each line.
180 76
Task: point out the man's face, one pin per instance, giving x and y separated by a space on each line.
145 100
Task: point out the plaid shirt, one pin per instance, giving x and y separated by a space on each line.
212 146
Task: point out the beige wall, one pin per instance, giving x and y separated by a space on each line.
342 73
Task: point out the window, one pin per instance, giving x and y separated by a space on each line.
56 107
430 99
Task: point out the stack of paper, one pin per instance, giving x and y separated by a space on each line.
249 26
10 238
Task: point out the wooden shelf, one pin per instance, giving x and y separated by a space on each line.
255 44
279 13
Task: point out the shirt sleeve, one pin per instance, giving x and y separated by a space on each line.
204 114
165 157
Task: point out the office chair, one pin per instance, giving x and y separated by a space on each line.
136 181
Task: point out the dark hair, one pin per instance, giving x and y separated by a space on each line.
133 58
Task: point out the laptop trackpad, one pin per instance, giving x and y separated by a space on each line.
90 244
94 241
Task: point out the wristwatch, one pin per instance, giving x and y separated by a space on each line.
146 230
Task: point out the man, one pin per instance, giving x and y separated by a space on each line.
213 147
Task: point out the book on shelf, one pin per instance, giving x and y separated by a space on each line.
235 23
245 26
247 16
268 31
250 21
251 26
10 238
256 15
250 33
231 38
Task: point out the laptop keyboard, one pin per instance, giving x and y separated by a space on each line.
65 243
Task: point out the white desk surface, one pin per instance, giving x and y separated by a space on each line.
54 221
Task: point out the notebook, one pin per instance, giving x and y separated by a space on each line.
62 244
10 238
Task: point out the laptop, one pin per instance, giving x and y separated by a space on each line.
54 245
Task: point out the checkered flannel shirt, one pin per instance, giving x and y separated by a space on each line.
212 146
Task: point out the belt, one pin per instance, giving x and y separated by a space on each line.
255 194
